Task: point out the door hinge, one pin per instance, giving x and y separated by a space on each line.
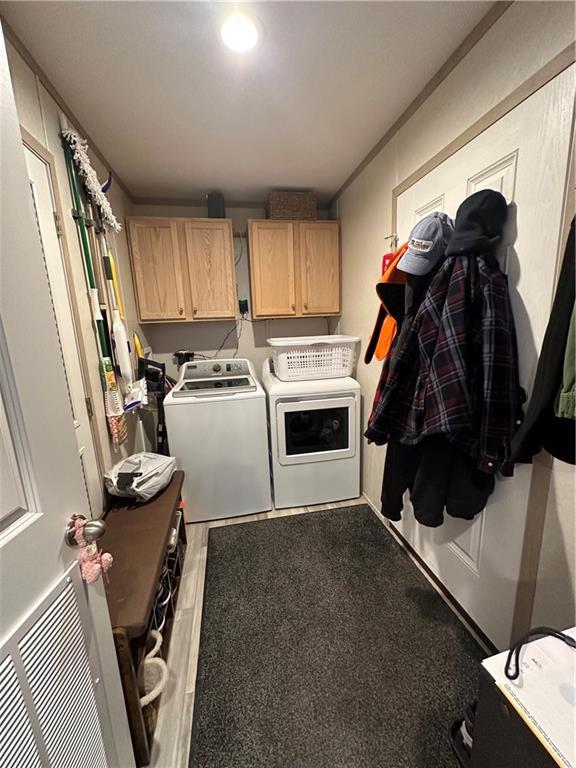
58 223
89 408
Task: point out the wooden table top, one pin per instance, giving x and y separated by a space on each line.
136 536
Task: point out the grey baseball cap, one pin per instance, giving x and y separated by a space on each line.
427 244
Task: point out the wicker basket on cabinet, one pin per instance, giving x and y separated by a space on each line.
291 205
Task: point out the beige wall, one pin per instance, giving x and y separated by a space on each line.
206 337
40 115
555 598
525 38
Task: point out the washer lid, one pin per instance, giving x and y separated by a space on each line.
222 385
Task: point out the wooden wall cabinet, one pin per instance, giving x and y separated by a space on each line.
210 256
319 251
183 269
294 268
272 268
157 269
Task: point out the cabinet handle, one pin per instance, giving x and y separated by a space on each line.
180 311
306 307
293 307
195 311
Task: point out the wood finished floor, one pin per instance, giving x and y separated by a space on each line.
174 728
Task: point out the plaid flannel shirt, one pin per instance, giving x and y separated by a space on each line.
455 370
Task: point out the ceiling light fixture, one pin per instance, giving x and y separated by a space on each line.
239 33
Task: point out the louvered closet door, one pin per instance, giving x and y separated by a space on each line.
525 157
56 698
18 744
48 710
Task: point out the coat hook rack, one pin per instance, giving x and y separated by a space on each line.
393 240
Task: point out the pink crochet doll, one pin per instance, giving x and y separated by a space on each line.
92 561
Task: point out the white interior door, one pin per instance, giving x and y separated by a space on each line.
45 208
525 156
54 702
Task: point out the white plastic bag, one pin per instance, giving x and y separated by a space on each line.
140 476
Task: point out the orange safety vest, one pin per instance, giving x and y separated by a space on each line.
389 287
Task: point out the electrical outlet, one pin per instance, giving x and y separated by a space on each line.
243 306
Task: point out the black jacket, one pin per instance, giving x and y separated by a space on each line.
542 428
438 476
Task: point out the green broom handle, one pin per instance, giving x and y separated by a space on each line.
79 211
85 246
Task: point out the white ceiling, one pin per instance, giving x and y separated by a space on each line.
177 114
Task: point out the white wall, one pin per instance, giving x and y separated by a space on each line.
525 38
206 337
39 114
555 598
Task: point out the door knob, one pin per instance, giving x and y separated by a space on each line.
92 531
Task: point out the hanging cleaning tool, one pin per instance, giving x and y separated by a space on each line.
79 150
107 184
112 396
155 375
121 345
138 350
134 392
104 188
117 291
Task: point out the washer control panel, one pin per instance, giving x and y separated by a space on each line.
205 369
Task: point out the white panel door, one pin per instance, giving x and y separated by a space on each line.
50 647
525 157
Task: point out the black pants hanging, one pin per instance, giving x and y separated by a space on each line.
438 477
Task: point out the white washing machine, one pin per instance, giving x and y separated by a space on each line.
217 430
314 439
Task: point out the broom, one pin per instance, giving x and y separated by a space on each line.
121 347
112 397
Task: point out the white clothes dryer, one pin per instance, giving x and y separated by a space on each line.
216 423
314 439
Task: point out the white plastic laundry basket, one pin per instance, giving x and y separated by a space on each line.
298 358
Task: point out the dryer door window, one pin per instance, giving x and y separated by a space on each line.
316 430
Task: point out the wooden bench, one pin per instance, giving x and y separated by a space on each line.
138 535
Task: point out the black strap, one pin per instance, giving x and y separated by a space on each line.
125 480
513 672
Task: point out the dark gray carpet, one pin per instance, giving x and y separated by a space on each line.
323 646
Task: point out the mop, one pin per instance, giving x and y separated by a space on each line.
112 397
132 391
135 392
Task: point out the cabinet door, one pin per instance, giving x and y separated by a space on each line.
210 256
272 268
157 269
319 250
